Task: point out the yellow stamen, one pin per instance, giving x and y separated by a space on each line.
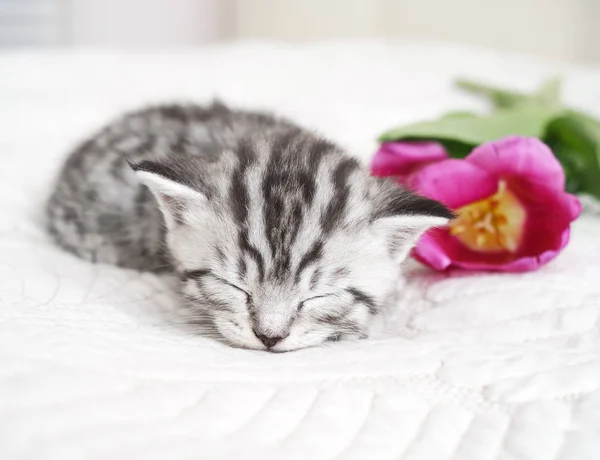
493 224
458 229
480 240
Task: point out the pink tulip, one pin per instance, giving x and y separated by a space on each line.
512 211
402 159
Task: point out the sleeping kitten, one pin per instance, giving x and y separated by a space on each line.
278 237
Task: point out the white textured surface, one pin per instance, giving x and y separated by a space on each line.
474 367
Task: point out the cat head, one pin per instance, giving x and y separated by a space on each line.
285 242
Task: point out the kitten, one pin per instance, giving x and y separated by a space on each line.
278 237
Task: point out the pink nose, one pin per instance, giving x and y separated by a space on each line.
268 341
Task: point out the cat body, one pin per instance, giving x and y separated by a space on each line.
278 237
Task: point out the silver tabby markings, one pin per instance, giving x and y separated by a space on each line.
280 239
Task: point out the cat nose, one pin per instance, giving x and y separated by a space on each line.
268 341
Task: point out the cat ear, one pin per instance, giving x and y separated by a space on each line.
176 195
405 217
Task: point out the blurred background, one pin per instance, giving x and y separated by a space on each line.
559 29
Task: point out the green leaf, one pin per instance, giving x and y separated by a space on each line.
457 149
548 95
459 114
549 92
574 138
475 129
500 98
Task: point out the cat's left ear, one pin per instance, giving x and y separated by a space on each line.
177 192
405 217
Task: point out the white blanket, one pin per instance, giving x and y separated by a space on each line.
473 366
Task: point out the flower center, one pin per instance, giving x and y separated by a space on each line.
493 224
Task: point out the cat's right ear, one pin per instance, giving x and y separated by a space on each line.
178 198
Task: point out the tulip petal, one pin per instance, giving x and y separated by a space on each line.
454 183
522 264
429 252
525 157
549 214
446 253
401 158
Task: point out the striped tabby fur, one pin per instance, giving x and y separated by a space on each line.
279 238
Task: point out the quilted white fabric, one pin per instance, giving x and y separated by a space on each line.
471 366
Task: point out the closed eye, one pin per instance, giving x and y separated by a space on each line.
248 296
301 304
199 274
